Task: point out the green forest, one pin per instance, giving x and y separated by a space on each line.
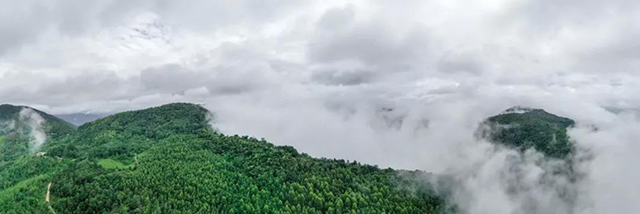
168 159
537 129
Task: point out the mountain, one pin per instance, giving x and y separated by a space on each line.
79 119
169 159
51 124
23 133
526 128
24 129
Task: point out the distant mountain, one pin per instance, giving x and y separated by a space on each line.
528 129
24 130
56 125
79 119
525 128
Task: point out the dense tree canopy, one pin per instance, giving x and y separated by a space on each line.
168 159
534 128
15 131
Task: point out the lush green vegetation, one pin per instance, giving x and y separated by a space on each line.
22 175
168 159
113 164
536 128
53 126
15 131
23 183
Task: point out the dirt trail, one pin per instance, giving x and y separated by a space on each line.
47 197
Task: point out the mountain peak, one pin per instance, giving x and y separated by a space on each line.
8 112
520 114
154 122
519 110
525 128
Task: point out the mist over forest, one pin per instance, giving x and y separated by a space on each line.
247 106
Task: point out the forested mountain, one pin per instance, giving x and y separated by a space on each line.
21 115
169 159
525 128
24 129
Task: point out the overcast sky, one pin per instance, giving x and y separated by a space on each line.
395 83
76 56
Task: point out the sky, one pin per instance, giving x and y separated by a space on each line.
399 84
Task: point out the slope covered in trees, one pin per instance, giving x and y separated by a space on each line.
525 128
52 125
168 159
23 130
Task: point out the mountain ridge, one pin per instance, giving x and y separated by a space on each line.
24 130
169 159
8 110
162 154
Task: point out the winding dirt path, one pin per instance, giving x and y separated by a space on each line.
47 197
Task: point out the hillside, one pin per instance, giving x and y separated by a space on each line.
54 126
525 128
169 159
23 130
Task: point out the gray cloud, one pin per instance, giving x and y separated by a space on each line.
171 78
451 63
339 37
349 77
